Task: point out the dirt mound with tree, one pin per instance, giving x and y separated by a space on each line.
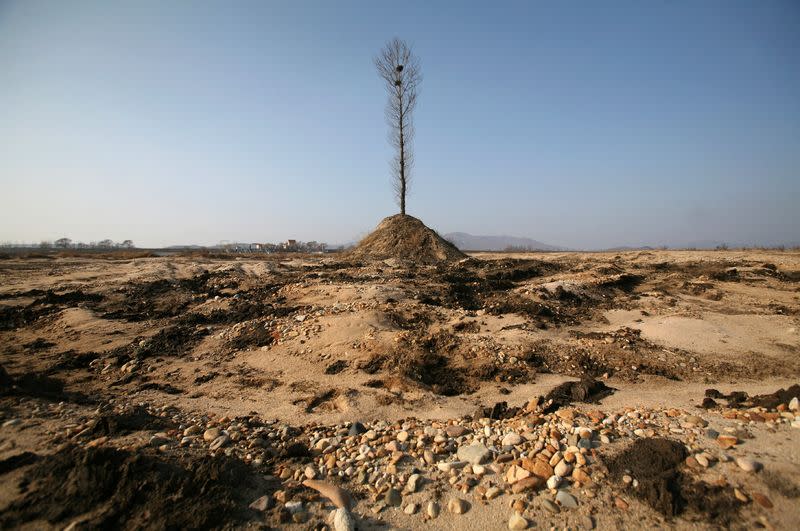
404 237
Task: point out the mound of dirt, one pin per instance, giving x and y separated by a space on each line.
113 489
405 237
655 464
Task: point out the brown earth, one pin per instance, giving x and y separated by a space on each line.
404 237
373 335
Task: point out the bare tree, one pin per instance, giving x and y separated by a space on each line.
63 242
399 69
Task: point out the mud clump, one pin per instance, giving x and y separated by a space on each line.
122 490
33 384
586 390
655 464
404 237
740 399
136 419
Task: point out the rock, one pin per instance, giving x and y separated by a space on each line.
553 482
524 484
192 430
158 440
540 468
402 436
794 404
492 493
338 496
511 439
587 522
580 474
727 441
293 506
695 420
356 428
516 473
562 469
450 465
475 453
517 522
762 500
432 509
219 442
455 430
620 503
411 508
310 472
342 520
478 470
457 506
413 483
702 460
211 434
393 497
550 506
566 499
740 496
262 504
748 465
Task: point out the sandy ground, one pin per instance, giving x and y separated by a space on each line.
315 341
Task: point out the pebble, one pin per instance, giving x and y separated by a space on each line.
342 520
566 499
492 493
457 506
393 497
413 482
293 506
411 508
432 509
356 429
562 469
517 522
702 460
550 506
450 465
211 434
219 442
475 453
794 404
511 439
553 482
762 500
12 422
747 464
262 504
455 430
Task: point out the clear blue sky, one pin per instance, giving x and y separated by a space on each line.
582 124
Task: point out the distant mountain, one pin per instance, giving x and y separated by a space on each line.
469 242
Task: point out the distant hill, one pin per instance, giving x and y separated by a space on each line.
469 242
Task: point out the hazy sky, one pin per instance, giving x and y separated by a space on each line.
582 124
